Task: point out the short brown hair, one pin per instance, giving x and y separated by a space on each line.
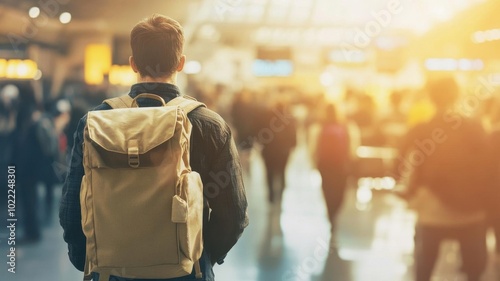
157 43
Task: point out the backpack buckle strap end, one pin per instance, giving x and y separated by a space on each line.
133 154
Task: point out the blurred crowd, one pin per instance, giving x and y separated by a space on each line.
442 150
36 135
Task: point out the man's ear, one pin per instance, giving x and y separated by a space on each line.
132 64
180 67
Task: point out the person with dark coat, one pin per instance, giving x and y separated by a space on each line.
278 138
447 162
333 160
38 150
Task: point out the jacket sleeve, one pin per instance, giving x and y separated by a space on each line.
225 193
69 212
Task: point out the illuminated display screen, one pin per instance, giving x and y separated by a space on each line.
263 68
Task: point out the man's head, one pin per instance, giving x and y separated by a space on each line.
443 92
157 45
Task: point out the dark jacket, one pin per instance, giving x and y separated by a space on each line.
213 156
36 151
449 155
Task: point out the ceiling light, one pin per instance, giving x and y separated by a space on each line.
65 18
34 12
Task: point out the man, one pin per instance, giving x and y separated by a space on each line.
447 159
157 46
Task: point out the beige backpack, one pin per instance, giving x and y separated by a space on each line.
142 206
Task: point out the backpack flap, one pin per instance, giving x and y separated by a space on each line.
123 137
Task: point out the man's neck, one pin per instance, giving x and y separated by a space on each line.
147 79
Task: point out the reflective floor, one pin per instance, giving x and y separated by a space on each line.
372 241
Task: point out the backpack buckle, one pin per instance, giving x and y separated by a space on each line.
133 154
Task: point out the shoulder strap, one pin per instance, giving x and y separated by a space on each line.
119 102
187 103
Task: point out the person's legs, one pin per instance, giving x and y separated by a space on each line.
339 181
427 242
270 178
49 201
281 180
473 249
29 200
333 185
271 185
328 194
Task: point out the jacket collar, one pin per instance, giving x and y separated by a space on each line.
165 90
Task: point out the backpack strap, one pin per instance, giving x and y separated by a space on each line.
187 103
87 275
120 102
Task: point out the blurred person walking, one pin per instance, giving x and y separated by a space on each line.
40 152
157 47
243 119
276 149
447 162
332 157
365 117
50 134
243 114
394 126
25 156
9 103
